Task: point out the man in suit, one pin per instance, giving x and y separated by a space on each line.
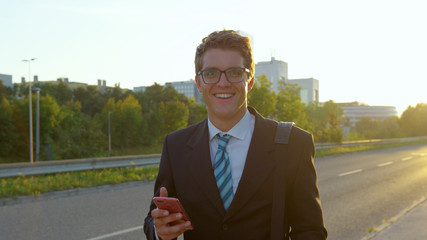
227 171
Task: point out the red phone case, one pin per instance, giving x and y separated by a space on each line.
172 205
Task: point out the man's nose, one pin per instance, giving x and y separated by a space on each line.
223 79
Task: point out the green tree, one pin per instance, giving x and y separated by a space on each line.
325 121
413 120
78 136
289 107
196 112
59 91
8 131
117 93
175 116
126 122
389 128
5 92
91 99
49 119
262 97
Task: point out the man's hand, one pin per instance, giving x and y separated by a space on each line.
166 223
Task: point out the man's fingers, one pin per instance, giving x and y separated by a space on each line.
163 192
173 231
159 213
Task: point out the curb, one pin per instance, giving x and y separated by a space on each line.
68 193
394 219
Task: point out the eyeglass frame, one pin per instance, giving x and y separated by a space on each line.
245 70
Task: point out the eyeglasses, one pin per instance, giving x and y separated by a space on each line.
233 75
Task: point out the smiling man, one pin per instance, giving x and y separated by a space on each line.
233 176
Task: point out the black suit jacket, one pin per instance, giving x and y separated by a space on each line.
186 171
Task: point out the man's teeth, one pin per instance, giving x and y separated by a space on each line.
223 95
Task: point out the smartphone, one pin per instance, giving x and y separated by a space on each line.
172 205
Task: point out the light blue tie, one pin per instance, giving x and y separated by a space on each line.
222 171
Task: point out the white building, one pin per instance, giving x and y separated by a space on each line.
355 110
275 70
7 80
188 88
309 91
139 89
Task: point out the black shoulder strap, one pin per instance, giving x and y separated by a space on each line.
279 225
283 132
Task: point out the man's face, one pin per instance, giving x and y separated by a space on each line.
226 102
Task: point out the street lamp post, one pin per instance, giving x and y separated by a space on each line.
30 107
109 134
37 125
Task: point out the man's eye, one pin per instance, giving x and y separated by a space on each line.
210 73
235 73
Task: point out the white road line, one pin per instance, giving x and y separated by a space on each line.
407 158
117 233
348 173
419 154
384 164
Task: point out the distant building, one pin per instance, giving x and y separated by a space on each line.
101 86
309 91
275 70
188 88
355 110
140 89
7 80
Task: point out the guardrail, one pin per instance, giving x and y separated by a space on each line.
367 142
28 169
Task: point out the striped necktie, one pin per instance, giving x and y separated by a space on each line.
222 171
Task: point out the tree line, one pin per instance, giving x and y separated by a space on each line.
326 120
74 122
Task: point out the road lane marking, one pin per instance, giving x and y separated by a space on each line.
116 233
407 158
384 164
419 154
348 173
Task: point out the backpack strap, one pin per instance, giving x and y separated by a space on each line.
283 132
279 223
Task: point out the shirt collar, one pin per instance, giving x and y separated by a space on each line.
238 131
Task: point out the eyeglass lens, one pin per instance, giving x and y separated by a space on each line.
214 75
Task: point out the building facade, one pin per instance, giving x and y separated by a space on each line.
188 88
7 80
275 70
354 111
309 89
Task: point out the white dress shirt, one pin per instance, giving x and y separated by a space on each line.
238 146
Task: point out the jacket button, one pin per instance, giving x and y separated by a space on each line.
225 227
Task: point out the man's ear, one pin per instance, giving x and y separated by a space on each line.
198 84
251 83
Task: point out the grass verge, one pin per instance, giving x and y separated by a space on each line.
342 150
35 185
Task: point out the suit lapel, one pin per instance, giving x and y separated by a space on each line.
259 164
200 165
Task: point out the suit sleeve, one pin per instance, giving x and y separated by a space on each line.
164 179
306 217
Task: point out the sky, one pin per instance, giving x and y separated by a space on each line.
371 51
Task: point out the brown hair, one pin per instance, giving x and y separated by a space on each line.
226 39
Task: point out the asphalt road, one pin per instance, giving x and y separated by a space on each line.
358 191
